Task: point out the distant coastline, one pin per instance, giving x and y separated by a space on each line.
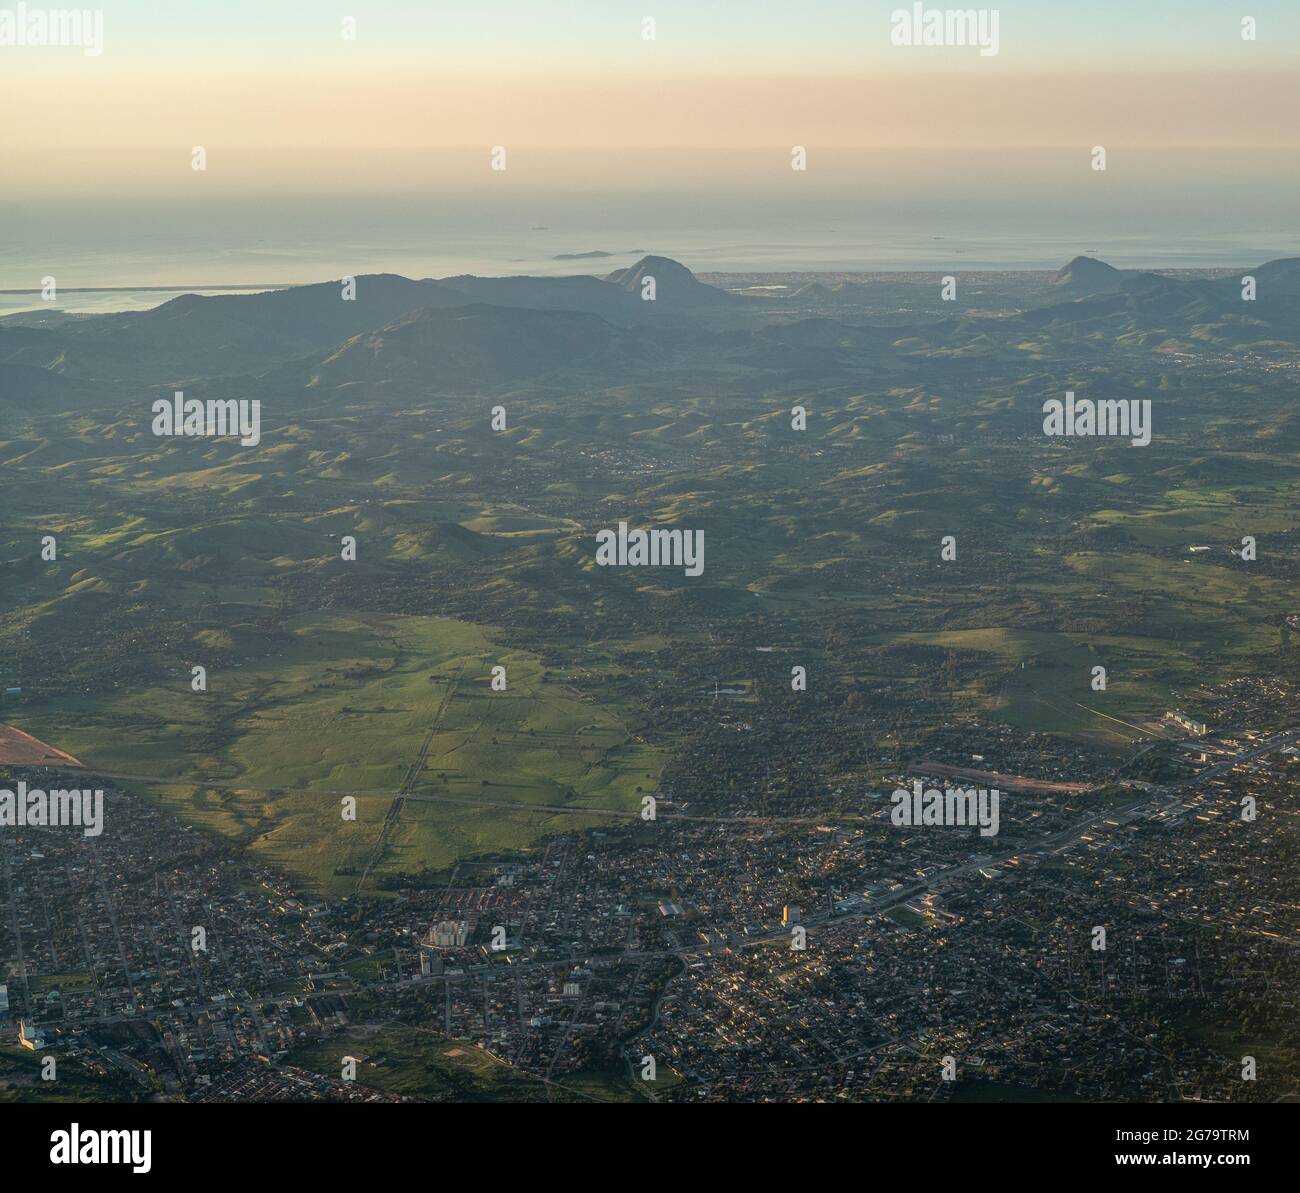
248 287
101 300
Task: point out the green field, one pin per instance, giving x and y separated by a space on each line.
21 1081
425 1065
344 709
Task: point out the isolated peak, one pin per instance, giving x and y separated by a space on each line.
1088 273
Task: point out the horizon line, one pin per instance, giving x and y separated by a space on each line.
266 286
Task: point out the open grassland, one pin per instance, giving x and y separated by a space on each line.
20 1081
369 707
329 678
426 1066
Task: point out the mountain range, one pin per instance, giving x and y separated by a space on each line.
485 332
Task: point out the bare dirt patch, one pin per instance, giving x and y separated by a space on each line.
22 749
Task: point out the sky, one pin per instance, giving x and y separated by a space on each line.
688 135
603 37
244 76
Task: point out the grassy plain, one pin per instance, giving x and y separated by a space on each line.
367 706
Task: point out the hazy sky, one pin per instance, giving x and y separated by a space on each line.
709 37
327 156
243 76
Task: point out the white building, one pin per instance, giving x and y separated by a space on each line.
1183 721
448 934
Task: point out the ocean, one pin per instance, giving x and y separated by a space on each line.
92 248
